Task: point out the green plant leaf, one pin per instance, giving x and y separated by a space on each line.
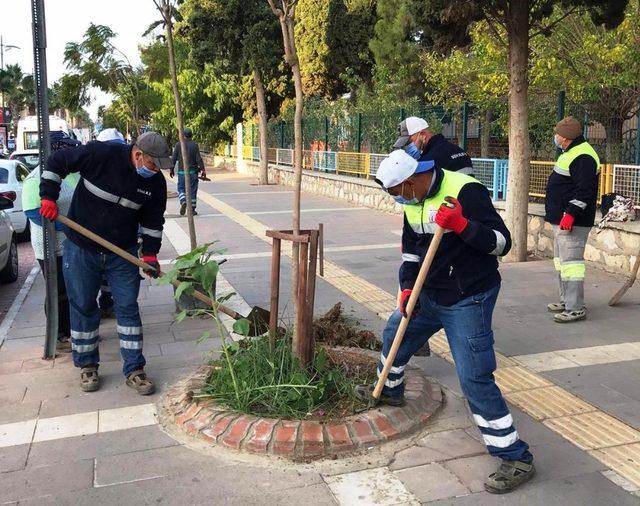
185 286
203 338
242 327
181 316
209 273
224 298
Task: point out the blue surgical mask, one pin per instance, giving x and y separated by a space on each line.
556 143
145 172
413 151
405 202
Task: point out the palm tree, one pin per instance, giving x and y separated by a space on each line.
18 90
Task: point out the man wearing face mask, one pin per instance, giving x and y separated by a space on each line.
421 143
458 296
570 206
121 189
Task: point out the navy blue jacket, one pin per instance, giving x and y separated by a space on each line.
465 264
582 185
447 155
111 199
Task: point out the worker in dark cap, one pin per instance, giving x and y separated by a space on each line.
570 207
121 192
196 166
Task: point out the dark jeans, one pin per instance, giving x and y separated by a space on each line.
64 326
193 183
468 328
83 272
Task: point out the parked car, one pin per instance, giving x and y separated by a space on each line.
12 174
8 244
31 159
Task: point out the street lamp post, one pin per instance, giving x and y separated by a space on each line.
42 106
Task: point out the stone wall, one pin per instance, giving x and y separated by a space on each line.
614 249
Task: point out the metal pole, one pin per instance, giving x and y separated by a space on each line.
326 133
465 119
42 107
359 137
282 135
585 125
560 113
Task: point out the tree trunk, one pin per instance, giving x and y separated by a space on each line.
263 176
518 183
287 23
180 120
485 133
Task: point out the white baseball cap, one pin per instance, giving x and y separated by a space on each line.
398 167
408 127
110 135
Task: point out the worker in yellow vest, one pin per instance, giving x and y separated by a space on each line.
459 295
570 207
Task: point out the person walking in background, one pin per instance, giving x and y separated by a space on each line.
196 165
31 205
570 207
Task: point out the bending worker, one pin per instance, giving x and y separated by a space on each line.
570 206
121 188
458 296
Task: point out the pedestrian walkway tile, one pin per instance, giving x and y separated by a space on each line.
590 431
377 486
13 434
126 418
548 402
81 424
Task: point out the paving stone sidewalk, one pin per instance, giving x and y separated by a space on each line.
59 445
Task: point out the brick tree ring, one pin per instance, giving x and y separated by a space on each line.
212 424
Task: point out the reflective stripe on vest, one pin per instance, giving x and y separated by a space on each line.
566 159
110 197
421 217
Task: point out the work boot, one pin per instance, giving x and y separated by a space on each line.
138 380
509 475
89 379
63 345
364 393
183 208
570 316
555 307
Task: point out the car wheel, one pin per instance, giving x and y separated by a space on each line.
25 235
10 273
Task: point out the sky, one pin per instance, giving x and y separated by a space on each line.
67 21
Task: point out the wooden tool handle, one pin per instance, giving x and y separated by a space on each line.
136 261
413 299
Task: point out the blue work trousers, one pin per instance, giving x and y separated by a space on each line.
468 328
83 274
193 182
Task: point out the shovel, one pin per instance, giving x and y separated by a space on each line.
413 299
258 317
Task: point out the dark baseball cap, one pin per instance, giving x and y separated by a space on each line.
155 147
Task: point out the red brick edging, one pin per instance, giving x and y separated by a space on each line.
299 439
